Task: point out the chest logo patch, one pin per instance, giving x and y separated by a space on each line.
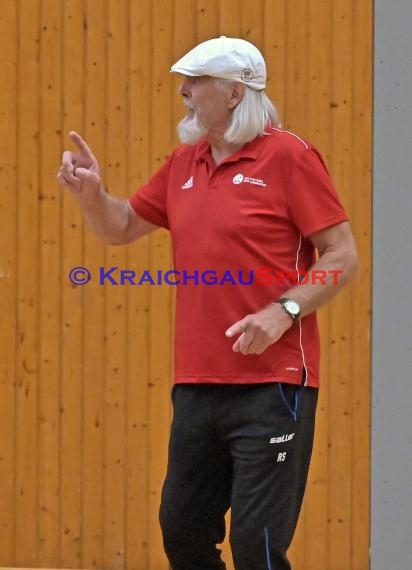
239 178
188 184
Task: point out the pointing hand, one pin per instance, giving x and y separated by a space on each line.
80 171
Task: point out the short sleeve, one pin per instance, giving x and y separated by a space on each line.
150 201
313 201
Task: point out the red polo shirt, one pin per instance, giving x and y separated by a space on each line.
255 209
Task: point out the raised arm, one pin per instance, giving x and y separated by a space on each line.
113 219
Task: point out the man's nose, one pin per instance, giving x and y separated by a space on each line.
184 88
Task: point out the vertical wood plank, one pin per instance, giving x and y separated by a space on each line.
49 286
318 112
229 19
340 428
206 20
361 125
94 344
137 323
160 296
115 308
27 188
296 68
274 51
8 283
72 378
252 21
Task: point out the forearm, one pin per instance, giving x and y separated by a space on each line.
324 280
107 215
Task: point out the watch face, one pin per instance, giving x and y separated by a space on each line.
292 307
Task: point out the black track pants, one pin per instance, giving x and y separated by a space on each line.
247 447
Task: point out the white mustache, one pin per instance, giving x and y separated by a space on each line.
189 105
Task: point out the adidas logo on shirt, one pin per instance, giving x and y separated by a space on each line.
188 184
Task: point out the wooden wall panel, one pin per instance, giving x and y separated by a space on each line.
361 215
89 104
161 138
73 364
49 317
27 300
85 372
339 409
8 277
115 305
138 316
314 520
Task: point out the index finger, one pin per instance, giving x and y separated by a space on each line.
236 328
81 144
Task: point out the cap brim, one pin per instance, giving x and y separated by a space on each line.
184 71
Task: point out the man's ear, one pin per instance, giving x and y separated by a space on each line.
237 93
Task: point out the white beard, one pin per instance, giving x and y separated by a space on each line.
190 131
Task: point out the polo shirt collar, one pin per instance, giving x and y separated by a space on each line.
250 150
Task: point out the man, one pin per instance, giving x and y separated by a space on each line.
239 196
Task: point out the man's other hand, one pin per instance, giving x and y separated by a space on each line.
259 330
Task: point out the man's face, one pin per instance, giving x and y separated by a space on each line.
207 108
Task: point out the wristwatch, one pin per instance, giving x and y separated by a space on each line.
290 307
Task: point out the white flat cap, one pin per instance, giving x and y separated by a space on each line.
225 58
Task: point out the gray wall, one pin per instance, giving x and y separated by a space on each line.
392 289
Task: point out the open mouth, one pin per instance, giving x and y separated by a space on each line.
190 109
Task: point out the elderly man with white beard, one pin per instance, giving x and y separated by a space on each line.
238 194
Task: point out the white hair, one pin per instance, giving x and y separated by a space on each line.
251 116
